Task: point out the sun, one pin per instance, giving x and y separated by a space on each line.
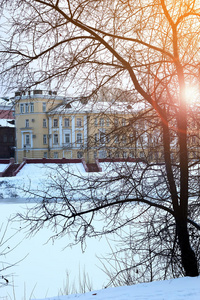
192 94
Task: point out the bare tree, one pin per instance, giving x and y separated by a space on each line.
150 47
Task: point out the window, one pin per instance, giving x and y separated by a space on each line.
55 155
107 122
101 122
108 138
102 154
124 139
44 139
11 138
125 155
116 139
116 122
44 123
45 155
5 138
32 107
55 122
141 154
55 139
79 138
44 106
79 154
26 107
117 154
27 139
21 108
96 137
96 121
27 123
78 122
66 122
102 137
67 138
123 122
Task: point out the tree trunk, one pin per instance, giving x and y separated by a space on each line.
189 261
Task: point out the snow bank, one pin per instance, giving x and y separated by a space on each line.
177 289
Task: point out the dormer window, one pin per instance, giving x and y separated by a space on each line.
21 108
26 107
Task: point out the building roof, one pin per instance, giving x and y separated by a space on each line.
76 105
7 123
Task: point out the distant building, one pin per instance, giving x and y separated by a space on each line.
7 129
55 127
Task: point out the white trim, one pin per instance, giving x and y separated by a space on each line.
60 129
50 132
73 130
85 130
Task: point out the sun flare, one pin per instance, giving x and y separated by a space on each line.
192 94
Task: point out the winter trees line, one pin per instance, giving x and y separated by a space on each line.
151 49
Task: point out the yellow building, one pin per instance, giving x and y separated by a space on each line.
50 126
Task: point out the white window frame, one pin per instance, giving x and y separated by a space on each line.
67 138
44 139
44 123
96 138
79 122
55 123
79 154
124 139
96 121
55 139
32 107
66 122
21 108
26 108
79 138
101 121
55 155
27 139
123 122
27 123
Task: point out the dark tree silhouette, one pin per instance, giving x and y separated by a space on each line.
149 47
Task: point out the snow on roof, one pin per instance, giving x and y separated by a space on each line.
6 123
73 105
6 105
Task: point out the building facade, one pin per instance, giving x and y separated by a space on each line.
49 126
7 129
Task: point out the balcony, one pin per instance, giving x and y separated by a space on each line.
67 145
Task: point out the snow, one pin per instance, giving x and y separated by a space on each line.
5 123
3 167
42 271
176 289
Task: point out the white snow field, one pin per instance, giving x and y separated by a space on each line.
40 266
176 289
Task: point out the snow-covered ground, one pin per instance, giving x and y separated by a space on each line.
176 289
42 270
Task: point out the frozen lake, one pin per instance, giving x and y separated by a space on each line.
42 266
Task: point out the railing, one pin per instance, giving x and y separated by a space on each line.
67 145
